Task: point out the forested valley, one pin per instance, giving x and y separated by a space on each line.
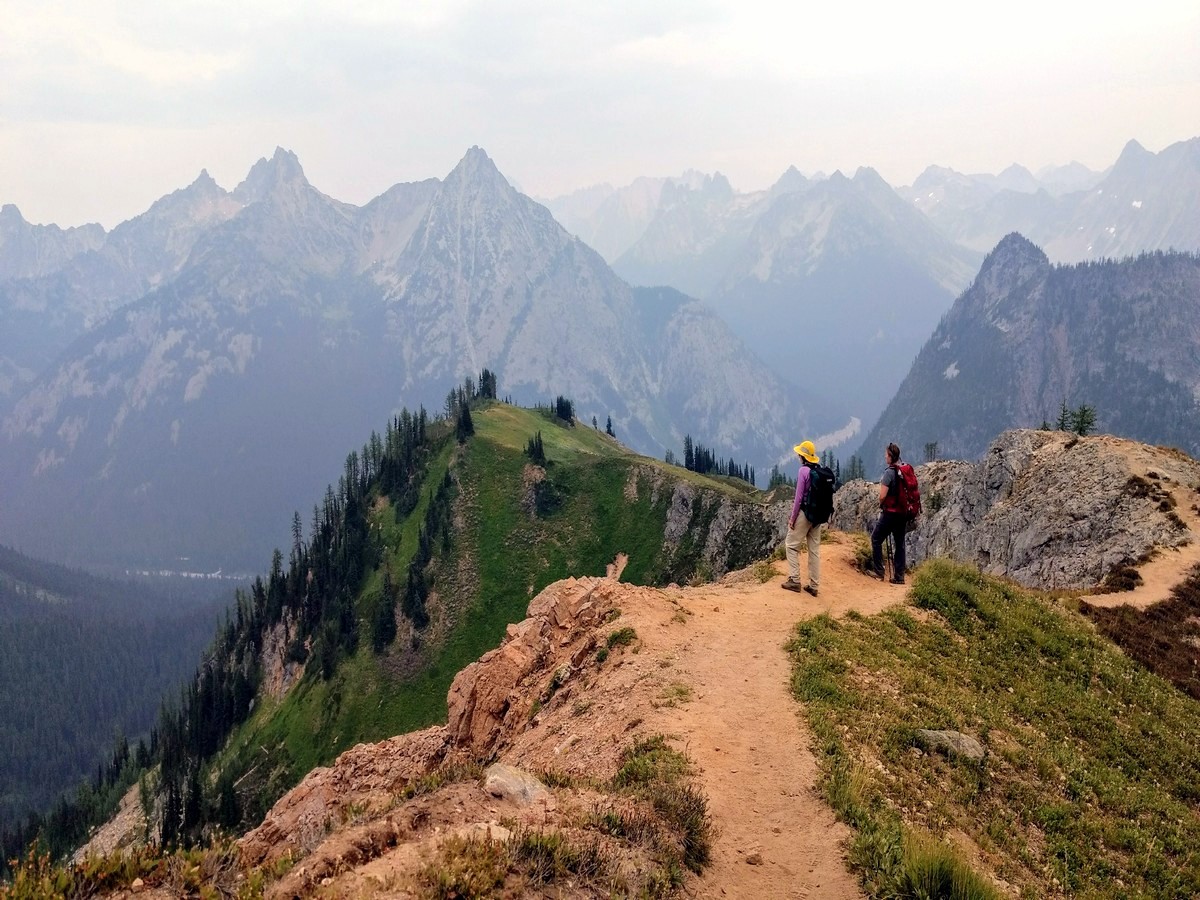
84 665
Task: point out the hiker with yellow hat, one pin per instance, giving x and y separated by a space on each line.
800 529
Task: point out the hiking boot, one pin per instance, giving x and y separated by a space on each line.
897 581
809 589
876 574
791 584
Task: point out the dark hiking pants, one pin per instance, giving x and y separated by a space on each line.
895 525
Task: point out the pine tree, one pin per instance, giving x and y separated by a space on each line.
608 429
464 427
535 450
1083 420
1063 422
384 631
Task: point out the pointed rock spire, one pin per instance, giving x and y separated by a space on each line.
266 177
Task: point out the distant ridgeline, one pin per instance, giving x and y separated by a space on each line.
1028 340
435 538
82 659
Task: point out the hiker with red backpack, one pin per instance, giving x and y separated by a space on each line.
899 505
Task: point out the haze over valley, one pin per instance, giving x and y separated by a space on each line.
398 411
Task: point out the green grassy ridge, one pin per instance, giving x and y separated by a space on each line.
1091 782
509 554
318 719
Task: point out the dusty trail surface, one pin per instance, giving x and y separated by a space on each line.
777 837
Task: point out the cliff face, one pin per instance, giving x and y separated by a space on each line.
1029 337
539 703
1045 508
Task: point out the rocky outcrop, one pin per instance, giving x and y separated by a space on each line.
489 700
707 530
366 776
1046 509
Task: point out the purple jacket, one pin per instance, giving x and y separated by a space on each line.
801 490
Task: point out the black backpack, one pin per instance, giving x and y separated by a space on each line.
818 500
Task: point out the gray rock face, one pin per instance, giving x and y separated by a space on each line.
725 533
1043 508
1028 336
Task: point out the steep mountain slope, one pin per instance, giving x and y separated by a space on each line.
838 285
185 423
1028 337
1146 201
43 307
416 564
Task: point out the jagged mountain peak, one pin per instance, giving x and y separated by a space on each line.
477 168
10 215
1013 252
790 182
1016 170
1133 159
867 178
934 177
204 180
267 176
719 184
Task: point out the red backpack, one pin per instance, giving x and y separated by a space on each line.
907 498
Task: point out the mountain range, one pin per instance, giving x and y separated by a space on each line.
1029 338
834 281
172 428
837 284
1145 201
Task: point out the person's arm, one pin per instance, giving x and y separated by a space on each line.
883 489
885 483
801 486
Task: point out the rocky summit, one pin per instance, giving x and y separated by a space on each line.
1047 509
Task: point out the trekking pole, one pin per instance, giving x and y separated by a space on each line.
889 564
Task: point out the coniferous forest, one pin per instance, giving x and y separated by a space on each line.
84 663
310 595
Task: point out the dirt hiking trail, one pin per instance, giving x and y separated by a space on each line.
776 836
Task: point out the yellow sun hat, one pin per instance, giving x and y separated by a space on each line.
808 451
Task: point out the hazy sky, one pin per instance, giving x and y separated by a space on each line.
106 105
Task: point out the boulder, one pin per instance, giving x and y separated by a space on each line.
517 785
952 743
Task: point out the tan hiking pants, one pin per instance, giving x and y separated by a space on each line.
804 531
